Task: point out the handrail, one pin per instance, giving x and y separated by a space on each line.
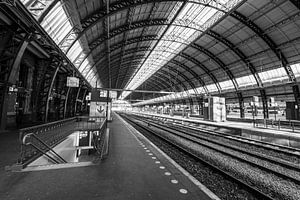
289 124
44 136
48 124
49 148
44 153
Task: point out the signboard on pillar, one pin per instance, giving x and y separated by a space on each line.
98 109
255 100
271 101
113 94
72 82
88 97
100 104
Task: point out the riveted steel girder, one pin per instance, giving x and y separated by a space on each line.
173 81
203 67
184 77
119 6
77 98
166 73
129 22
192 72
163 83
127 27
271 44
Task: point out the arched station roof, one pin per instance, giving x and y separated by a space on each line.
239 48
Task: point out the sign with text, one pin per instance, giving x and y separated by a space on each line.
103 93
72 82
113 94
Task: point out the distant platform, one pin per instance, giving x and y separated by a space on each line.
285 137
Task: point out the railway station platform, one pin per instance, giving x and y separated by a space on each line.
285 136
134 169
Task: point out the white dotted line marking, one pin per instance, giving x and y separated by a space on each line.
157 162
162 167
167 173
147 150
174 181
183 191
150 154
153 158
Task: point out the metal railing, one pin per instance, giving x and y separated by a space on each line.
292 125
39 139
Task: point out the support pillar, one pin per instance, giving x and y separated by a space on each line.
66 101
49 92
297 100
77 96
264 103
241 104
11 79
83 98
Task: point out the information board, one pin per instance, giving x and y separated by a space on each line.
72 82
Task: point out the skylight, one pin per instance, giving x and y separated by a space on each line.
244 81
188 25
59 26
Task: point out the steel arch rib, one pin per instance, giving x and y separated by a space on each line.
173 78
177 63
178 80
119 6
193 60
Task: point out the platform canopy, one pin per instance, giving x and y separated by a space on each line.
194 47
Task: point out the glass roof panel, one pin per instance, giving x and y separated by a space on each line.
296 69
181 33
226 85
58 25
246 81
212 88
74 51
273 75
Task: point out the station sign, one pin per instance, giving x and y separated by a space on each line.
88 97
113 94
103 93
72 82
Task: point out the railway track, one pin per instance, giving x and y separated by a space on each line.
254 191
291 155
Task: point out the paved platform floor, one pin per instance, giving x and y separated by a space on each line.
131 171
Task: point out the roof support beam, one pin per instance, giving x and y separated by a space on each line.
203 67
99 15
160 37
162 81
172 78
193 73
187 80
271 44
107 32
129 21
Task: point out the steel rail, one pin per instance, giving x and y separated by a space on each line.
252 190
188 136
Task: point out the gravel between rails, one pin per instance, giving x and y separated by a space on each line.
268 183
244 155
238 142
218 184
259 150
265 152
